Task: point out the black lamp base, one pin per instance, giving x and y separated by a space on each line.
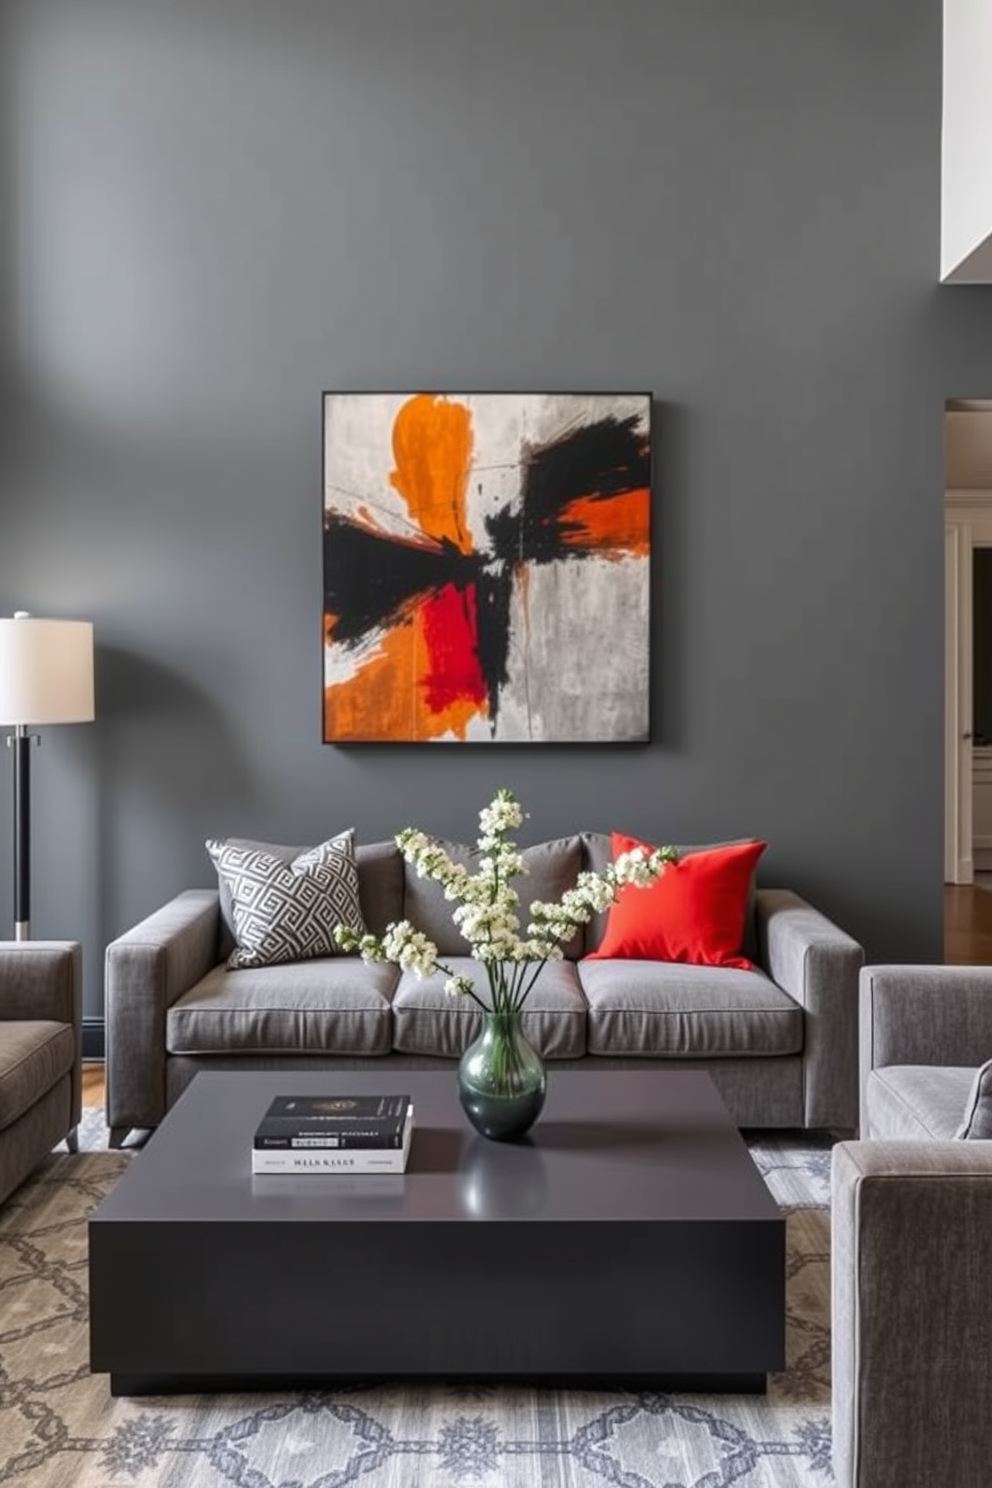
21 742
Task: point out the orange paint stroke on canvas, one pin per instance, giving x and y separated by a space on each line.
616 526
433 444
402 691
368 520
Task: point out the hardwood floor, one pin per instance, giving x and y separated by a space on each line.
94 1089
967 942
967 925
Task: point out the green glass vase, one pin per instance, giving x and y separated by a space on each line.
501 1080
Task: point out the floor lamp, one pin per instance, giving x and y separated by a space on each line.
46 676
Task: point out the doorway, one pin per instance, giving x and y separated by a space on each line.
968 640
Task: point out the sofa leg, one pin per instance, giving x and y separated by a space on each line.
118 1135
72 1139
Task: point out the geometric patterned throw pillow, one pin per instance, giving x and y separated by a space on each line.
287 911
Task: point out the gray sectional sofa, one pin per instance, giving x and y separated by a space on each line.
780 1040
911 1249
41 1074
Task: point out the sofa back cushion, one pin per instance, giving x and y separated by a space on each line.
552 867
598 854
380 884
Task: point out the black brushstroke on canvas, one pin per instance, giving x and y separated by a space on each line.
600 461
371 578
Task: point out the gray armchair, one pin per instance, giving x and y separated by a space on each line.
40 1053
912 1239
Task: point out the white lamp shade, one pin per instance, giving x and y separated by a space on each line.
46 671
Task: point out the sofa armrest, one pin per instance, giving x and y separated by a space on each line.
44 979
41 979
817 964
146 970
911 1255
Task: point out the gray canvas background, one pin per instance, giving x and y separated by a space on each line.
210 212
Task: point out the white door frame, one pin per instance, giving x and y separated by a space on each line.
967 525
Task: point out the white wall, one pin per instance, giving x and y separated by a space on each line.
966 177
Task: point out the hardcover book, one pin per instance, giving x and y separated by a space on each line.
338 1122
330 1159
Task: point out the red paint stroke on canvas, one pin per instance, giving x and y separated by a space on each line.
436 648
452 678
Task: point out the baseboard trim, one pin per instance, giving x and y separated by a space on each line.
94 1038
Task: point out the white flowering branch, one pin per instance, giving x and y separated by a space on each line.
487 909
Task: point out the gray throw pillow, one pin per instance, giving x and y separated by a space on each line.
977 1121
285 909
550 869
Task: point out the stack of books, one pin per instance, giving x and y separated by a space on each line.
334 1134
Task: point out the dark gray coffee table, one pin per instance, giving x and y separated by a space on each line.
630 1238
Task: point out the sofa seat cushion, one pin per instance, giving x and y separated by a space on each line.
428 1020
333 1006
665 1008
34 1056
909 1101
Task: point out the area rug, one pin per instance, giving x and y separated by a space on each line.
60 1427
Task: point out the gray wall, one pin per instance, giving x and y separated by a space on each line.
214 211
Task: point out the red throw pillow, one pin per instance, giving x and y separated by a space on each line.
693 913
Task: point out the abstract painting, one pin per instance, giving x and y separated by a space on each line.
486 564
